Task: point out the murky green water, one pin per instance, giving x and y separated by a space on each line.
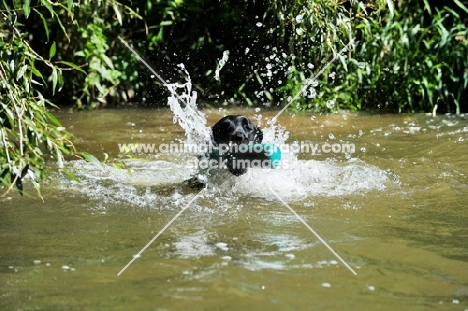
395 212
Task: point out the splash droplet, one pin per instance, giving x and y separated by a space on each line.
299 18
330 103
312 82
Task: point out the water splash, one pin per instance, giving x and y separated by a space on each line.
158 184
155 183
299 179
183 103
221 64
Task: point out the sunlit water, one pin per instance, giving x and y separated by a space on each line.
394 210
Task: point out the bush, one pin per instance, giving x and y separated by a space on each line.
409 58
405 58
28 132
412 59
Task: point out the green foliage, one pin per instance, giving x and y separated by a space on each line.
400 62
107 65
28 132
412 64
37 56
313 34
408 56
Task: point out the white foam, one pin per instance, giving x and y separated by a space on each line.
311 178
139 188
195 245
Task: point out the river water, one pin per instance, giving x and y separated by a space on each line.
394 210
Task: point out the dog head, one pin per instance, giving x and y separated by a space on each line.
236 130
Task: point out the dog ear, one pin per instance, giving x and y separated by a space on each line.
218 131
221 130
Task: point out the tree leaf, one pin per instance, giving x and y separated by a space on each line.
108 61
391 7
61 26
60 78
165 23
53 50
71 175
44 22
21 72
457 2
54 80
362 7
72 65
53 119
117 13
90 158
27 8
36 72
427 7
48 5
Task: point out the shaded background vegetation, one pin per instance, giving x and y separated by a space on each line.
408 56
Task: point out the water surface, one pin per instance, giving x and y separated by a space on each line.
395 211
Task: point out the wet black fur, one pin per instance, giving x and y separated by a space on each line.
238 130
235 129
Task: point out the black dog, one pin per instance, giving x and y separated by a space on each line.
237 130
231 130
